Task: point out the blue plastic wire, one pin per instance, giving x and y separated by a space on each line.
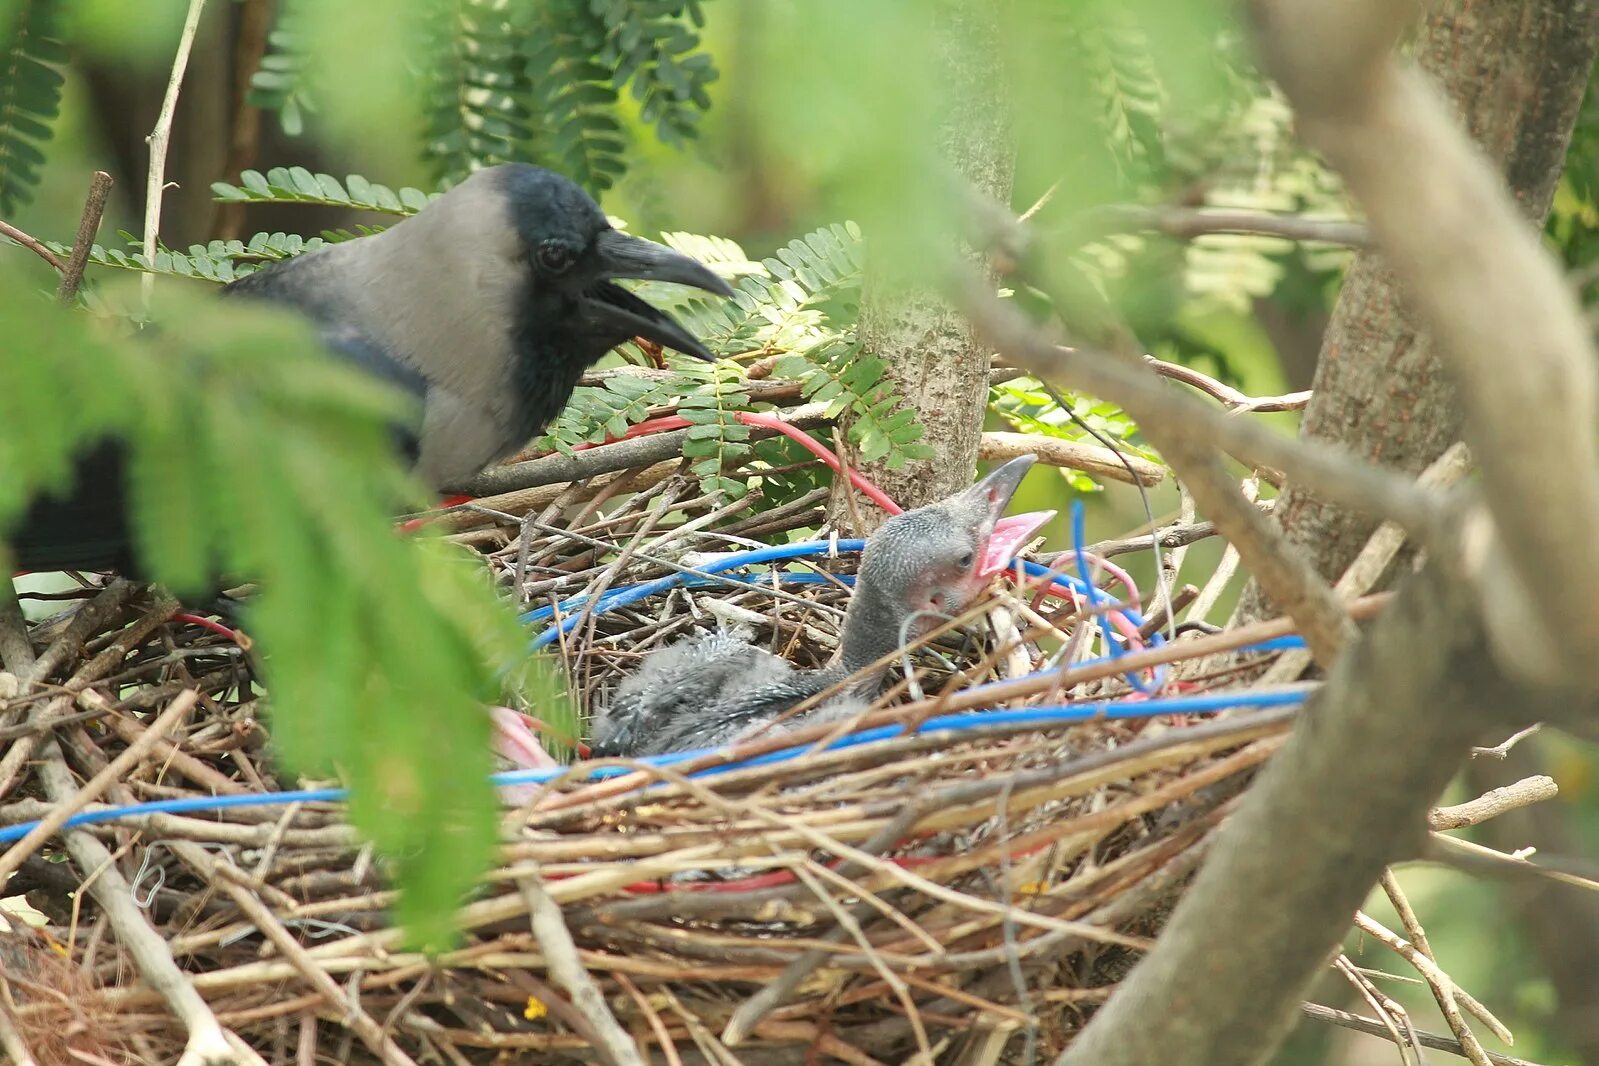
970 720
629 594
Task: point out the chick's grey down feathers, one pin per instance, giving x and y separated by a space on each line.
486 307
716 688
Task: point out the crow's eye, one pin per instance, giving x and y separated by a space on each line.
965 562
555 257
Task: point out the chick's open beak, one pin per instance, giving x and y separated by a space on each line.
1007 535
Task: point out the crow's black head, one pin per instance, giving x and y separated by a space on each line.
574 253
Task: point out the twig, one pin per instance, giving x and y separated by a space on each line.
208 1043
1418 938
1499 751
851 925
114 771
621 455
1230 397
1376 555
1332 473
617 1047
160 137
1100 462
1372 1027
1187 223
236 884
762 1003
1493 803
83 243
1386 1009
31 243
1478 860
1443 987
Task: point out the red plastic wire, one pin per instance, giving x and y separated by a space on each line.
765 421
207 623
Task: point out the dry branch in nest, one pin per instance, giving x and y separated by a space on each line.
946 892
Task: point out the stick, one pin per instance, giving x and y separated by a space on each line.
1372 1027
1187 223
83 243
131 756
1100 462
617 1047
31 243
228 878
159 140
1492 804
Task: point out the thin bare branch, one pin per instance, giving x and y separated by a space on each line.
160 137
1492 804
83 243
1188 223
31 243
1372 1027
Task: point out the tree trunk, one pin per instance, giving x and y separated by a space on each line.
1515 71
934 360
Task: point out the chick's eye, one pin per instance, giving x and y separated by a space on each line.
556 256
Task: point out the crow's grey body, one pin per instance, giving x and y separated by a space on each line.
487 306
717 688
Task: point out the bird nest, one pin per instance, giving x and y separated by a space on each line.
976 884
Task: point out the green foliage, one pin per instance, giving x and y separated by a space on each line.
282 83
653 46
476 87
1573 224
531 80
716 439
380 650
1029 407
297 185
220 261
30 94
801 306
574 96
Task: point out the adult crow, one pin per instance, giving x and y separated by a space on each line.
487 306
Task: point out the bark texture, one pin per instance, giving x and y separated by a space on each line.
935 361
1514 71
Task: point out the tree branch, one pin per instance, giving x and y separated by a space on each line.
1187 223
160 137
83 243
1476 274
1348 793
1345 797
1331 472
31 243
1493 803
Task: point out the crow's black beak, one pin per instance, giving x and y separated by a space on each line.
625 256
